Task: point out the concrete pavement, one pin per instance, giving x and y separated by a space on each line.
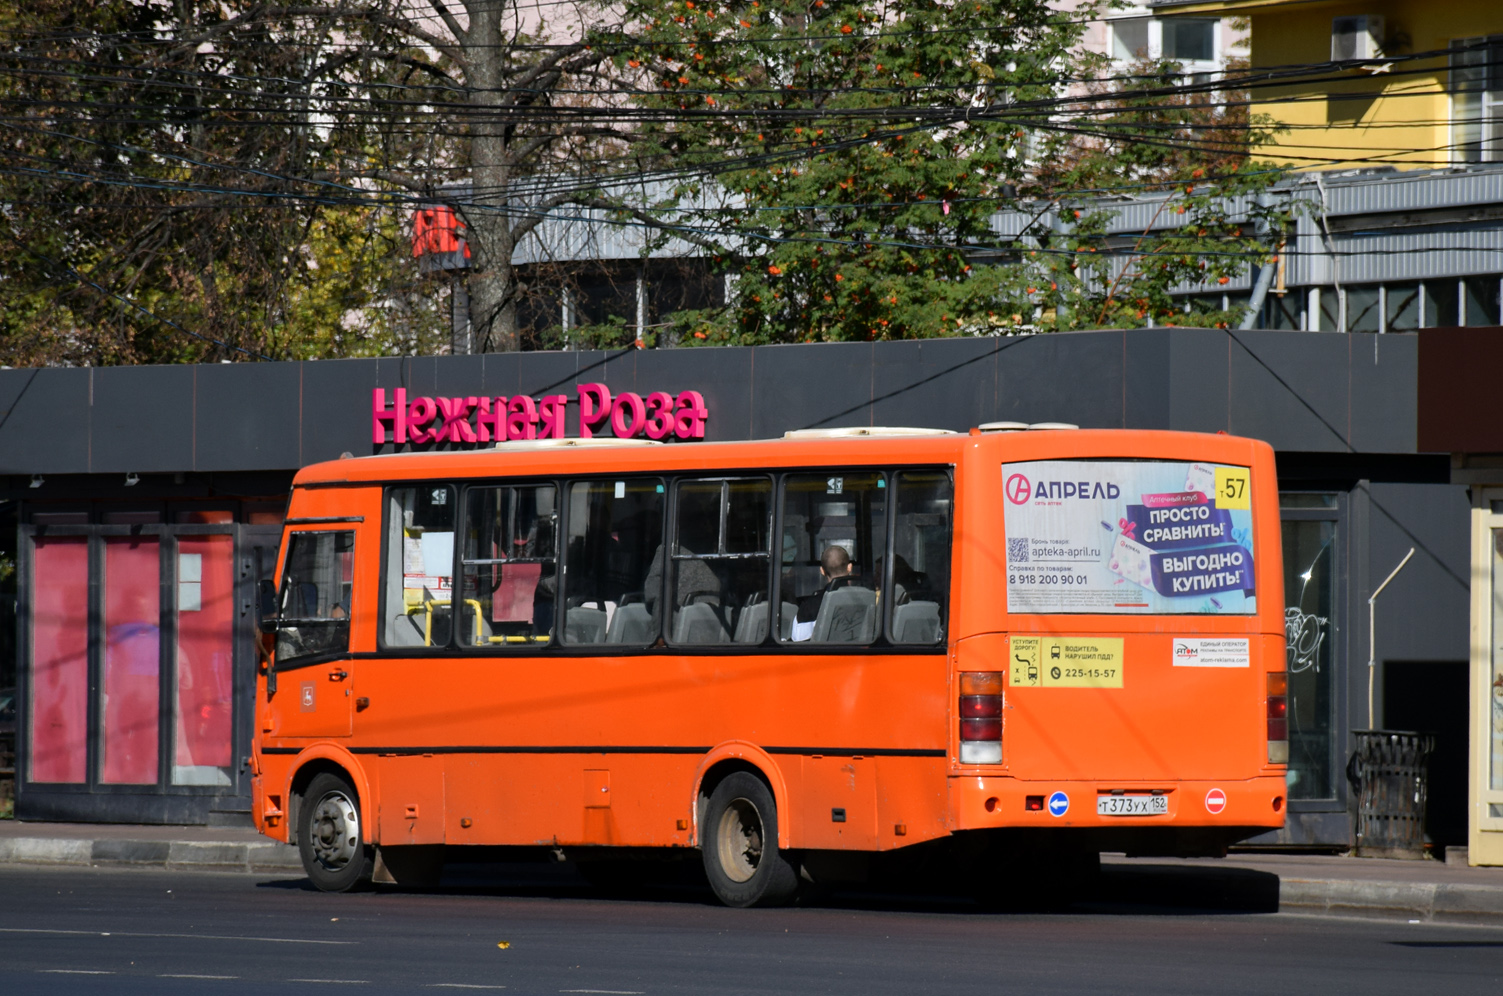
1416 890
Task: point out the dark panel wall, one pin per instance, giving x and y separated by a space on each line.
1457 379
1302 391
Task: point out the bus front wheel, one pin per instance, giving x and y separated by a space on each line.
329 835
740 845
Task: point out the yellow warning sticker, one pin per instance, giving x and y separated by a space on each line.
1065 662
1232 488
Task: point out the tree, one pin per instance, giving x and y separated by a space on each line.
166 168
863 148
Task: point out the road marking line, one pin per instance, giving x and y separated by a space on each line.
187 976
341 982
460 985
612 992
196 937
71 971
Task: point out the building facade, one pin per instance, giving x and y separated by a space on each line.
1371 82
145 504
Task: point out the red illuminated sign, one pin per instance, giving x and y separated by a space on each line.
475 419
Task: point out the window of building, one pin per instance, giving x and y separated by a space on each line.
615 541
1130 39
317 583
1441 303
1477 99
418 576
1480 298
1364 309
721 552
509 574
1401 307
1189 40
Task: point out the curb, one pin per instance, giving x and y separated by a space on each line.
1427 901
178 855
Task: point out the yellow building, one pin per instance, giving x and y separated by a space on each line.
1407 83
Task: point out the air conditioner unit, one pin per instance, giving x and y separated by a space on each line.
1356 38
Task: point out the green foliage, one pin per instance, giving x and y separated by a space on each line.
170 188
861 150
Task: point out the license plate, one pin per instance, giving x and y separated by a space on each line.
1132 805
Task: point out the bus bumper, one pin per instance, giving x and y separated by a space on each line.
981 802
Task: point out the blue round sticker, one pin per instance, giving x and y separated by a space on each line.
1059 804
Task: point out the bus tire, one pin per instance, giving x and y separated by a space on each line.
329 835
742 859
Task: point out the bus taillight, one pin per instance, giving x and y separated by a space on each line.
1278 717
981 717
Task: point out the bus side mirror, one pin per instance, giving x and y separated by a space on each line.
266 606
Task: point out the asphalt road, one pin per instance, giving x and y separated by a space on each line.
132 931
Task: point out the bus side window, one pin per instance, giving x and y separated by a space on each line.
721 548
840 516
509 575
314 617
920 595
613 562
418 576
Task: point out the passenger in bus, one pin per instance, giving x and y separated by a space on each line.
839 571
693 578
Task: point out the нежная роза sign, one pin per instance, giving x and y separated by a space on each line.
476 419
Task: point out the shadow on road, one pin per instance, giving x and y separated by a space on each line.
1119 890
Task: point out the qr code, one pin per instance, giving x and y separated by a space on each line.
1017 550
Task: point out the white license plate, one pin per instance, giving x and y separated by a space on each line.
1132 805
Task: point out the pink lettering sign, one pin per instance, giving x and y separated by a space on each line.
470 420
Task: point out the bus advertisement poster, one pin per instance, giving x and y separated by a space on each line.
1139 537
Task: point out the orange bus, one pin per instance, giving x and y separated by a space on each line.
795 655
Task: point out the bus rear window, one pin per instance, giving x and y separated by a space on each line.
1133 537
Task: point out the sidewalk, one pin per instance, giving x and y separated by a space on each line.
1414 890
181 848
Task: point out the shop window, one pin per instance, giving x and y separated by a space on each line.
59 682
721 553
920 580
615 539
1480 299
315 596
834 541
1401 307
1477 99
132 660
510 576
202 671
418 576
1309 532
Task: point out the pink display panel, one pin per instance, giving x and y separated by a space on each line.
132 659
60 660
206 640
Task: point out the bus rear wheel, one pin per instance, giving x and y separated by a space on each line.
742 859
329 835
